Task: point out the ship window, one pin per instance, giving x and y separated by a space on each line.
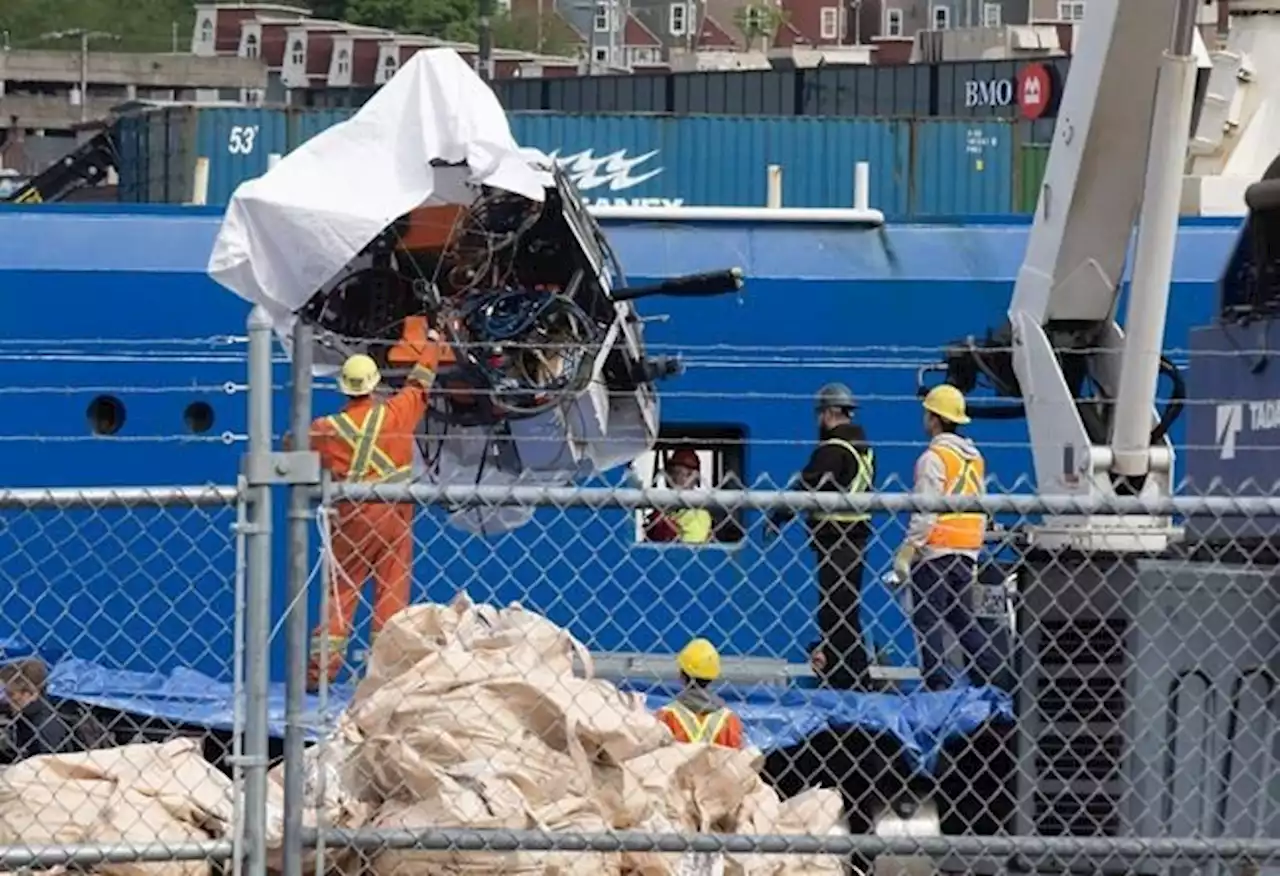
720 452
199 417
105 415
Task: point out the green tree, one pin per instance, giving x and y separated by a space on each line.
546 34
391 14
143 25
334 9
444 19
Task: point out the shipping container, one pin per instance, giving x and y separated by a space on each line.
302 126
521 94
708 161
1033 158
738 93
613 94
953 89
962 168
921 168
159 148
905 90
156 155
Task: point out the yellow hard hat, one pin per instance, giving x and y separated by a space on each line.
699 660
360 375
946 402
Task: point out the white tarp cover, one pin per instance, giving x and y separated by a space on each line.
287 233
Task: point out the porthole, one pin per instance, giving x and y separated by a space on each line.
105 415
199 417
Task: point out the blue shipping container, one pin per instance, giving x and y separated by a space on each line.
962 168
305 124
709 161
923 168
159 148
239 142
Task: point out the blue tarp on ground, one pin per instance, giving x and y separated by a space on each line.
773 717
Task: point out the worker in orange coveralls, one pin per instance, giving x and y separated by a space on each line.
697 714
370 441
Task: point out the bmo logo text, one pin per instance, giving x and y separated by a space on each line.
989 93
1031 90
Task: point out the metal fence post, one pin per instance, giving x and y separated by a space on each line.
300 518
258 601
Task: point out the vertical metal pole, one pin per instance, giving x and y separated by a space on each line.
258 593
296 620
594 6
484 41
237 719
84 75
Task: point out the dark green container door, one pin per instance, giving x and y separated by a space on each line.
1033 158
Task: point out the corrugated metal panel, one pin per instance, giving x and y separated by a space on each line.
957 89
238 141
520 94
157 156
306 124
962 168
744 93
333 98
612 94
901 90
1039 132
711 161
1033 158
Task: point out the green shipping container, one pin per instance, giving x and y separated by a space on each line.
1033 158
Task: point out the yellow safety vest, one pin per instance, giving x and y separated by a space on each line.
861 484
692 524
369 462
697 728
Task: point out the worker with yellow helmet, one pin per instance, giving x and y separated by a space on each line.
697 714
940 554
370 441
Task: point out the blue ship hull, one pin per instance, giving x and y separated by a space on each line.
153 589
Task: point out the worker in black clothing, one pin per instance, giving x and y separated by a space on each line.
842 461
36 727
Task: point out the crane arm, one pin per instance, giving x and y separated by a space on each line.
1088 391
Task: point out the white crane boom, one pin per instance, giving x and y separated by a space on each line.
1118 156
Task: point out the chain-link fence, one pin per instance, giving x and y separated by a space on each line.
1059 710
141 581
1010 708
121 716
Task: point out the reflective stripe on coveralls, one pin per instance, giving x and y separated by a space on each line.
369 462
963 477
861 483
697 728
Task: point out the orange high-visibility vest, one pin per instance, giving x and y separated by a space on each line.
964 476
721 727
